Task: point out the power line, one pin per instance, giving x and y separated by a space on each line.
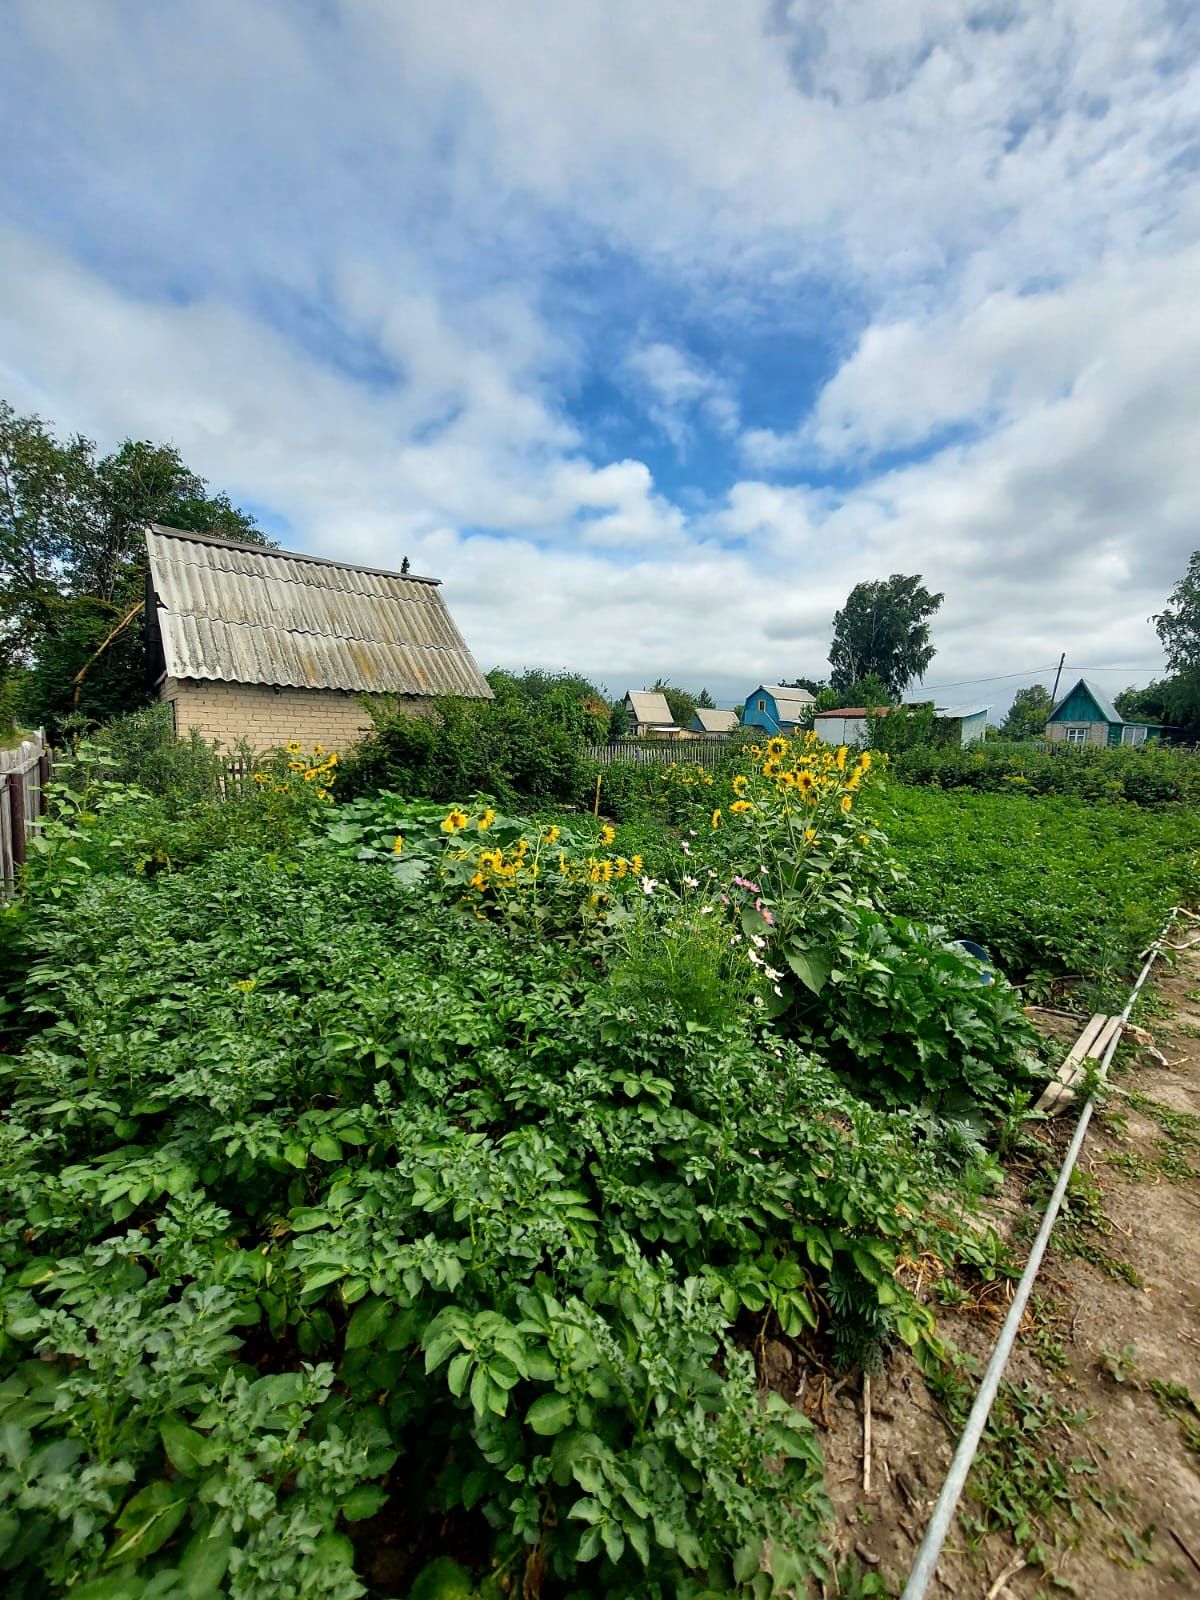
1049 666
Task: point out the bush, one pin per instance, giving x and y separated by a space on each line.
504 747
1142 776
144 749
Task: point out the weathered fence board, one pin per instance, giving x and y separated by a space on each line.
661 752
24 774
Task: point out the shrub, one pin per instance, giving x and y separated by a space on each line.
505 747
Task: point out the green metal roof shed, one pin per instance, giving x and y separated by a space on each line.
1086 716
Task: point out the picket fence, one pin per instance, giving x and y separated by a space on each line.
24 774
661 752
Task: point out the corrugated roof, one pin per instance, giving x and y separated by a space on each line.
791 702
650 706
716 721
244 614
1107 710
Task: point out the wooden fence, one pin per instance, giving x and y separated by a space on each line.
661 752
24 773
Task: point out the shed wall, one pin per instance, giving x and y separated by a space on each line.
265 717
1056 732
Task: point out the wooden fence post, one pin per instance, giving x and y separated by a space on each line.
16 812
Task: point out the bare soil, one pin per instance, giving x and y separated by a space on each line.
1099 1332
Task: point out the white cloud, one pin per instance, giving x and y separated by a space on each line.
678 386
325 253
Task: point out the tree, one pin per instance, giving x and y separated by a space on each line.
1028 714
883 631
683 705
813 685
1143 705
72 564
705 701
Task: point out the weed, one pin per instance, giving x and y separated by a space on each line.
1047 1325
855 1582
1123 1366
1176 1400
1021 1483
1081 1225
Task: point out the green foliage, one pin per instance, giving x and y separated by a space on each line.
898 728
1143 776
883 630
510 747
1104 877
351 1172
682 704
72 561
1028 714
142 748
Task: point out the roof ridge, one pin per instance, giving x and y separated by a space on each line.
164 531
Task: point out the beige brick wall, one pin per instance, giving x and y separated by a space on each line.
265 717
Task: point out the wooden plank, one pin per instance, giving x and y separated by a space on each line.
1098 1034
15 783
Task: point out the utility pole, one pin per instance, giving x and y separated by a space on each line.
1057 676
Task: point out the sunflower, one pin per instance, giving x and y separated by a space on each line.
805 782
739 806
741 783
607 833
716 818
847 803
776 746
486 820
398 844
455 822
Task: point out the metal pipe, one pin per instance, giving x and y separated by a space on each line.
947 1501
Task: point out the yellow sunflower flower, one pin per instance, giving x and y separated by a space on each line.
716 818
551 835
607 833
739 806
636 863
486 820
776 746
847 803
398 844
455 822
741 783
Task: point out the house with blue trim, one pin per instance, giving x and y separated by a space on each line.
1085 716
778 708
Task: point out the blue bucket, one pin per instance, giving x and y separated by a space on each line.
976 952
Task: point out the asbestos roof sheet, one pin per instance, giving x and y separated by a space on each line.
244 614
650 705
715 721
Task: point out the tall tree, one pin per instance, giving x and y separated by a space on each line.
1178 627
72 562
683 705
883 631
1028 714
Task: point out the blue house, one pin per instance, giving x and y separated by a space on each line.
1085 716
778 709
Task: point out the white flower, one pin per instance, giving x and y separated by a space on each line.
649 885
777 990
691 883
691 833
773 973
686 848
712 872
706 911
758 941
759 1001
755 958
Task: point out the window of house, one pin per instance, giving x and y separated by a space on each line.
762 705
1077 735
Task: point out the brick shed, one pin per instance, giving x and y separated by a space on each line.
248 643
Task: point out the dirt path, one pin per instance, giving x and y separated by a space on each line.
1105 1504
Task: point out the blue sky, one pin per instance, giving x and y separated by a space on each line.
650 330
